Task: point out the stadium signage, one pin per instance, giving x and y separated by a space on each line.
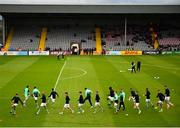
167 52
170 52
54 53
35 53
14 53
131 52
151 52
113 52
123 52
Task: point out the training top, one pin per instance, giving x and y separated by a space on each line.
67 100
133 93
43 98
133 65
88 92
116 98
97 98
138 63
16 100
137 98
147 95
81 101
36 92
122 96
167 92
160 96
53 94
26 92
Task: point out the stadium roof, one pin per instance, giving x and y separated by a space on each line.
44 8
93 2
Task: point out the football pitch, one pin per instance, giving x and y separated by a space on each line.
73 74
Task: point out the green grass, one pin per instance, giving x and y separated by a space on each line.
102 71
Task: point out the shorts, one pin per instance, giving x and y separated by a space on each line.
147 100
15 104
111 98
52 99
167 98
137 104
66 105
160 102
80 105
43 104
115 104
35 98
97 103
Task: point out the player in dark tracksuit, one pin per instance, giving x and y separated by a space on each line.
53 95
62 55
81 103
43 103
132 96
147 94
110 96
167 97
58 55
133 67
15 100
66 105
137 102
97 103
161 100
138 66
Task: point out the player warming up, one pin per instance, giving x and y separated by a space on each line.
80 103
137 102
110 97
15 100
66 105
88 96
147 95
161 100
138 66
122 99
43 104
36 94
133 67
116 102
167 97
97 103
53 95
26 95
132 96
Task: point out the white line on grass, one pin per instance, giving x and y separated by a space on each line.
59 76
76 76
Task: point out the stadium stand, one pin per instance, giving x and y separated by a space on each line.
25 38
135 39
169 36
62 37
62 32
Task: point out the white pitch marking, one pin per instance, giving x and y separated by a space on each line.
72 77
59 76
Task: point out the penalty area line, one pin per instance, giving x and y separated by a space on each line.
59 76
